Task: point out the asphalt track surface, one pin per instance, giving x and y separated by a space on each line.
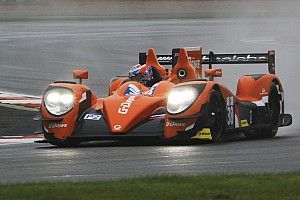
33 54
101 161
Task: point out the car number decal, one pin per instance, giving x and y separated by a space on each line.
230 111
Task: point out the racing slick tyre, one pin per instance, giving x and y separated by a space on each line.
57 142
217 119
273 115
273 109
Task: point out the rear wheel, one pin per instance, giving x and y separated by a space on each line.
273 115
217 118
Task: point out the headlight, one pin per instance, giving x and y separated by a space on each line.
59 101
180 98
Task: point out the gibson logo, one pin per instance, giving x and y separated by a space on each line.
124 107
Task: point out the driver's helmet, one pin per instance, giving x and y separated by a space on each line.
148 76
143 74
136 70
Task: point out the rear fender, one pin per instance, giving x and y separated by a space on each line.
255 87
63 126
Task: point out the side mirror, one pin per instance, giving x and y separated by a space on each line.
80 74
211 73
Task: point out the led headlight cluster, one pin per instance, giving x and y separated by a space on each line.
59 101
180 98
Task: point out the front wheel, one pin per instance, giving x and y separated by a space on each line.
217 118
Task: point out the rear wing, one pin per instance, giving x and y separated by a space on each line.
212 58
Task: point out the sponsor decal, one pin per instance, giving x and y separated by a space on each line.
117 127
132 89
124 107
57 125
250 116
92 117
263 91
164 58
204 134
172 124
244 123
222 58
152 89
232 58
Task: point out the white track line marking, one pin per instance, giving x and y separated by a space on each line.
9 140
16 99
27 101
16 141
11 94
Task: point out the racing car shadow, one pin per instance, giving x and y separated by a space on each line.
142 143
228 138
132 143
233 137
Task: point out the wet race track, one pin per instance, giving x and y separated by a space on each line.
35 162
33 54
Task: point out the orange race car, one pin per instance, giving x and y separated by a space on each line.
174 104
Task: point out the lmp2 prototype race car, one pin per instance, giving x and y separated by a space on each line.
169 104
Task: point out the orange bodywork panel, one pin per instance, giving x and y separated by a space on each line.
183 71
249 89
152 61
215 72
80 74
63 126
195 57
115 84
125 111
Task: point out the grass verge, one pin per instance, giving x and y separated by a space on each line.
266 186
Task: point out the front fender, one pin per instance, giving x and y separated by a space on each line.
63 126
202 98
186 120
